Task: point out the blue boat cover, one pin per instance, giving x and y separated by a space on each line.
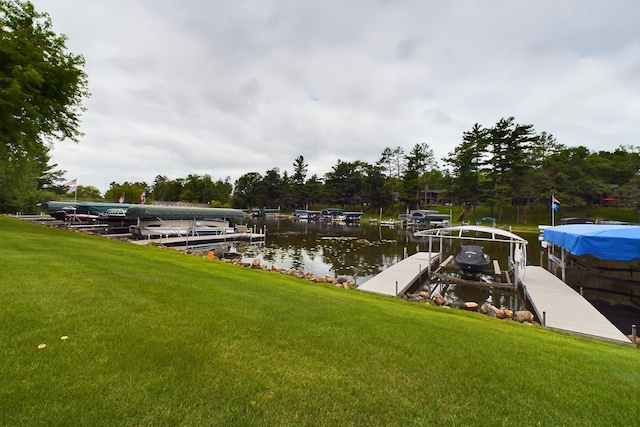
608 242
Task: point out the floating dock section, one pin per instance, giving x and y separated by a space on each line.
559 307
399 277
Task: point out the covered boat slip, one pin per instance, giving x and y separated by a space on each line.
171 212
399 277
185 223
479 234
83 207
606 242
406 272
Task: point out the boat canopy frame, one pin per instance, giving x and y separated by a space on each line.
517 244
179 212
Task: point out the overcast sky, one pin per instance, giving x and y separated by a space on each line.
229 87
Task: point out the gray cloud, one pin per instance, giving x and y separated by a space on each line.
227 88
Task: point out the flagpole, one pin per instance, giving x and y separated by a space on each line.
75 198
553 211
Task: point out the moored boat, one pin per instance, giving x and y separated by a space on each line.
390 222
181 227
472 259
332 214
116 216
352 216
159 221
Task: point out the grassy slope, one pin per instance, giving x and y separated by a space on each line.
157 337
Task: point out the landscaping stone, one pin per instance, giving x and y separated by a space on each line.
438 299
523 316
471 306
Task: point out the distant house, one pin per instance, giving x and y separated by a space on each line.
431 197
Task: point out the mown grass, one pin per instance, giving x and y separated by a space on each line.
157 337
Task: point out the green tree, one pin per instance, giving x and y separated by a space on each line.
509 148
466 161
41 91
245 190
375 193
343 185
314 188
86 192
420 160
222 193
130 190
167 190
298 193
544 147
272 189
393 161
617 167
409 193
572 177
629 194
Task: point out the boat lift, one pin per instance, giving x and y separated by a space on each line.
478 233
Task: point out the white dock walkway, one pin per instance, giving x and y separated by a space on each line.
404 273
565 309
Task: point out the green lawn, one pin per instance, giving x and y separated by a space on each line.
160 338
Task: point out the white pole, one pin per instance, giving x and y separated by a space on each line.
429 258
563 265
553 211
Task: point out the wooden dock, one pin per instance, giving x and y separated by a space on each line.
399 277
560 307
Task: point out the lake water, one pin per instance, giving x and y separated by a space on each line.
360 252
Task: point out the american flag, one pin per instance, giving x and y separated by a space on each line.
73 185
121 199
143 197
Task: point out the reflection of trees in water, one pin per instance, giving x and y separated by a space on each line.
358 257
297 259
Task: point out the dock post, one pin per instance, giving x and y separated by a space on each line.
634 336
581 291
396 288
544 319
420 274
